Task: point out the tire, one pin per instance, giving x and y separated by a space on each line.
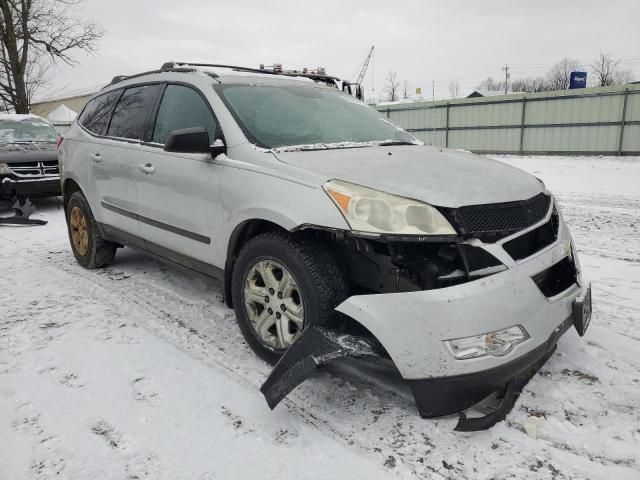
92 251
321 286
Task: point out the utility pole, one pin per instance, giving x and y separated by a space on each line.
506 79
433 117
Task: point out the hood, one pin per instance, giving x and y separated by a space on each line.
441 177
28 152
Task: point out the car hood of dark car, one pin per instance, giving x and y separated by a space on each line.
441 177
28 152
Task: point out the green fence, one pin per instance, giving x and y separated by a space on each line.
589 121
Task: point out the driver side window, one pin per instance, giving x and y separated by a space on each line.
182 107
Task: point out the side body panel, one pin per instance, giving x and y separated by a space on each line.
104 172
180 202
112 181
266 189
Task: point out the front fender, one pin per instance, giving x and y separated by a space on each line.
251 195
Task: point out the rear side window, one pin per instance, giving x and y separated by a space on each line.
129 118
95 116
182 107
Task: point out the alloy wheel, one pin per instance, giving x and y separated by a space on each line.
79 231
273 303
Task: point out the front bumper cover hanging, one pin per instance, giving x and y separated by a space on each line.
316 347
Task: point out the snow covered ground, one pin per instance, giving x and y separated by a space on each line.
138 371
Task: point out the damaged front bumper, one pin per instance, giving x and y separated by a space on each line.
434 397
446 395
542 294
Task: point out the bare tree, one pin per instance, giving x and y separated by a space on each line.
392 87
34 34
405 90
607 71
559 76
623 77
454 89
529 84
489 84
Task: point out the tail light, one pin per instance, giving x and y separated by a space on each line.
59 141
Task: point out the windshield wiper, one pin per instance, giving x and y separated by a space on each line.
322 146
389 143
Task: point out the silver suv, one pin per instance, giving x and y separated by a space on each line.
324 220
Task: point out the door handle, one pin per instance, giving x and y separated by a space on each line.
146 168
96 157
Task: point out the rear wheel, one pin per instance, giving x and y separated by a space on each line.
280 286
89 248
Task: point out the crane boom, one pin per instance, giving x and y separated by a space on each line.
365 65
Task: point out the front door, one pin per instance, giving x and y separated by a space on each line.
179 206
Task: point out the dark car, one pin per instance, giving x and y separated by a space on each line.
28 157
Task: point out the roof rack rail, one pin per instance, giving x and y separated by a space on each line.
317 75
120 78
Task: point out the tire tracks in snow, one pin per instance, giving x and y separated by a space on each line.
361 415
186 327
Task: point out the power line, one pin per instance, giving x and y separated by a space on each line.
440 86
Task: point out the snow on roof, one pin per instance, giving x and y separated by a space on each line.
19 116
404 100
486 93
62 114
230 72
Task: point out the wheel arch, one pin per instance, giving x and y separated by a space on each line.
241 234
69 187
249 229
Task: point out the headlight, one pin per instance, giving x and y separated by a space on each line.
496 344
368 210
4 168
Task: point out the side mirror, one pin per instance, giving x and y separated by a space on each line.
188 140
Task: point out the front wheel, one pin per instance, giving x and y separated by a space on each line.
280 285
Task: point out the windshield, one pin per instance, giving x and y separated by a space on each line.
285 116
26 130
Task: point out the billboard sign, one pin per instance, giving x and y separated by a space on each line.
578 80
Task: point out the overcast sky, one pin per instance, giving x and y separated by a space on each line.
464 40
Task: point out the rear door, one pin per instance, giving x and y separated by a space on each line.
87 150
118 155
178 192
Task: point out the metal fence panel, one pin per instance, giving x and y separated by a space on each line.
591 120
572 139
575 110
481 115
431 137
494 140
633 108
631 139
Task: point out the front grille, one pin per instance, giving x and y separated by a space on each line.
535 240
491 222
35 169
557 278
